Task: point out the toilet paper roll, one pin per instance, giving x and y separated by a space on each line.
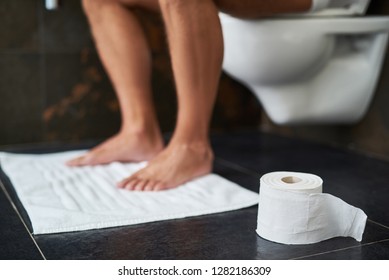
293 210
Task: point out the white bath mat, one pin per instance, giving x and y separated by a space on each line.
58 198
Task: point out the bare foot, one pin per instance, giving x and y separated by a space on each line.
177 164
123 147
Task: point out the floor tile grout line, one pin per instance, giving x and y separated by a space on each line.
378 224
341 249
20 218
236 167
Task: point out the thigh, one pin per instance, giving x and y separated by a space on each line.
261 8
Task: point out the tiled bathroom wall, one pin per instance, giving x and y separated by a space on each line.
53 86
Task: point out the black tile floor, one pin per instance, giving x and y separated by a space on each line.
241 157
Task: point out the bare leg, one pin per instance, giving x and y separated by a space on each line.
125 54
196 47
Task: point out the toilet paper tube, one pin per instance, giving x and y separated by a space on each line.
293 210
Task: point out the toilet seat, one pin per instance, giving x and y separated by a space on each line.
357 8
336 25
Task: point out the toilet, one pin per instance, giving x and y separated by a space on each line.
308 69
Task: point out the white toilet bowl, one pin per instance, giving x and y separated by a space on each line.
308 70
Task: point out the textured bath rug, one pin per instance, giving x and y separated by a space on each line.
58 198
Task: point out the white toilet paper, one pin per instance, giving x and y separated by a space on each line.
293 210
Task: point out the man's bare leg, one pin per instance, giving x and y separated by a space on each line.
196 47
125 54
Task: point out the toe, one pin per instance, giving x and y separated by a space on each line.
150 186
76 162
141 185
131 184
126 181
122 184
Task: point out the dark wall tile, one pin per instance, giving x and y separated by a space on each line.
19 28
378 7
235 107
21 98
81 103
66 29
164 91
